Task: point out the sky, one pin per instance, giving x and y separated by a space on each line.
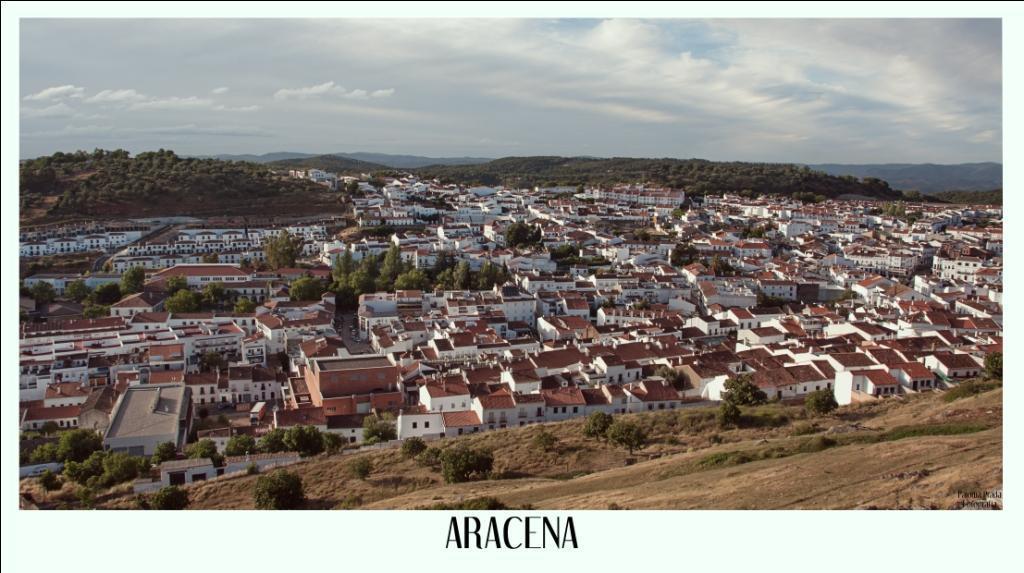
805 91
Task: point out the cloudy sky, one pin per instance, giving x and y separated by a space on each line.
843 91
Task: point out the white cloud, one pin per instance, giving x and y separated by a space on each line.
56 93
240 109
56 110
116 96
220 90
330 89
170 103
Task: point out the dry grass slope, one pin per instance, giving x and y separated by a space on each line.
914 452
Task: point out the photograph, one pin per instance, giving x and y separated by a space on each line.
517 276
264 265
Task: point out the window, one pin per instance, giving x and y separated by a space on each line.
414 425
426 424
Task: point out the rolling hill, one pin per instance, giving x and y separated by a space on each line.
383 159
925 177
915 452
114 184
696 175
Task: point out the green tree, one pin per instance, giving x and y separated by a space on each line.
304 439
244 306
545 440
461 463
627 435
672 376
343 266
742 391
49 481
49 428
169 497
379 428
390 269
282 251
182 301
132 280
273 442
820 402
413 447
994 366
119 467
597 425
279 490
96 311
106 294
77 290
331 442
213 294
461 276
360 467
44 454
683 254
87 469
240 445
43 292
728 414
414 279
78 445
176 283
204 448
522 235
306 288
212 361
165 451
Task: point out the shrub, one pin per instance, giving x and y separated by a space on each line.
304 439
741 391
820 402
240 445
728 414
816 444
994 366
77 445
597 425
279 490
627 435
360 468
49 481
169 497
545 440
460 464
413 447
430 457
379 429
164 451
966 389
252 469
475 504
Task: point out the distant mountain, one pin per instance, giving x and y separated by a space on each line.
925 177
332 163
380 159
412 161
264 158
992 197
